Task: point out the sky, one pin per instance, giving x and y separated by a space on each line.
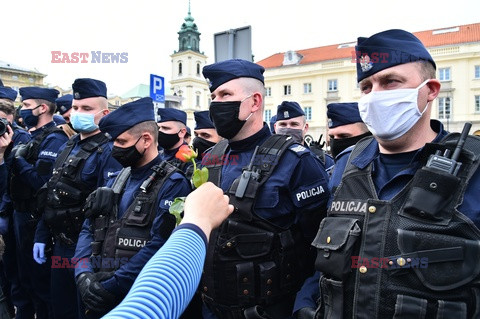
147 30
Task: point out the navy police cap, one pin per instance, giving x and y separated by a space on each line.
169 114
85 88
58 119
221 72
273 120
64 103
127 116
7 93
38 93
386 49
202 120
339 114
288 110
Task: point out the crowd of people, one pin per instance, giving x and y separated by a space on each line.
383 224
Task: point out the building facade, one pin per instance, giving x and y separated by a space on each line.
319 76
16 76
188 83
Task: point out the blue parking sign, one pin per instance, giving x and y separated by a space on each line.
157 88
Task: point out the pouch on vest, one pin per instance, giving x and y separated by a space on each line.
455 256
240 239
100 202
335 242
430 196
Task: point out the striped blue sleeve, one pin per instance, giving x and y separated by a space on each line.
168 281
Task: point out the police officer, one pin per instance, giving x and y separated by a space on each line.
84 164
32 168
290 120
188 136
64 108
258 257
273 119
128 221
205 134
10 280
345 126
171 133
396 241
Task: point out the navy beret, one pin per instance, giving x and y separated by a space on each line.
386 49
218 73
7 93
58 119
127 116
273 120
339 114
64 103
166 115
85 88
288 110
202 120
35 92
189 132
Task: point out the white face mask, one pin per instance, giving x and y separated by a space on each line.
392 113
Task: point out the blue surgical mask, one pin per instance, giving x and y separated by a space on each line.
83 122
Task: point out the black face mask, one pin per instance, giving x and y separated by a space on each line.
225 118
127 156
339 145
167 140
200 145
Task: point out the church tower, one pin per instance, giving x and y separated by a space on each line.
187 64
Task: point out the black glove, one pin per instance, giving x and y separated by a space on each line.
94 296
21 150
306 313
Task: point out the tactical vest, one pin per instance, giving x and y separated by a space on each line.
66 192
250 261
414 256
117 240
22 195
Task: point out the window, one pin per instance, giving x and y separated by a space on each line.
180 68
117 103
444 108
477 103
307 88
444 74
477 71
267 114
308 113
287 89
30 80
197 101
332 85
268 91
198 68
14 77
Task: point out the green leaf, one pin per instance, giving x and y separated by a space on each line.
176 209
200 176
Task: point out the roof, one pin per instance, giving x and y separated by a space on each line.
10 66
141 90
430 38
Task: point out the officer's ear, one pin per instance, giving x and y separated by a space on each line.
257 101
147 139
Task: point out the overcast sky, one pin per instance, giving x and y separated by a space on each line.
147 30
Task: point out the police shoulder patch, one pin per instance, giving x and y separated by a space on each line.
298 149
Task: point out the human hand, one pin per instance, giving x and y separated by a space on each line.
39 253
207 207
5 140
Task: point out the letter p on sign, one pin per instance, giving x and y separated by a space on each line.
157 88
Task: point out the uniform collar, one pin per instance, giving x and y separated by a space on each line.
140 172
172 152
251 141
41 129
371 152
